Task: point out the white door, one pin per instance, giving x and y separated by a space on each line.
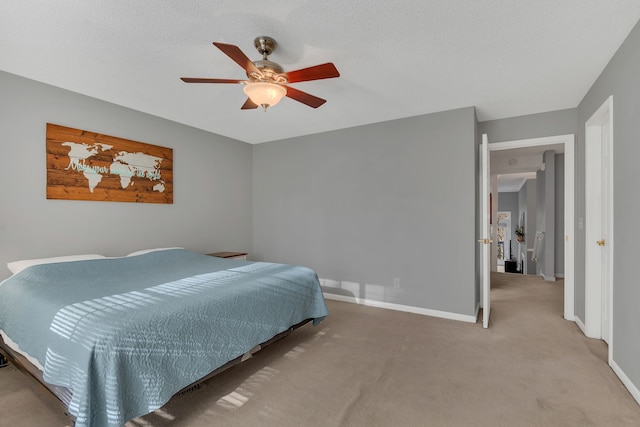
485 241
598 236
605 243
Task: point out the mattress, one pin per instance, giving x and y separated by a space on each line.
125 334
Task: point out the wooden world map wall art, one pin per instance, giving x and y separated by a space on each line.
84 165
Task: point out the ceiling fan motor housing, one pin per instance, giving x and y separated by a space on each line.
265 45
270 72
269 69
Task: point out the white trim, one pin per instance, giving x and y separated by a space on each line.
580 324
548 278
400 307
625 380
488 258
531 142
560 276
569 227
611 233
569 207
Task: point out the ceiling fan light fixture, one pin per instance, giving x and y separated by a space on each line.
267 82
264 94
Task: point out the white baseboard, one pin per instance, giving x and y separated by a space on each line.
560 276
580 324
635 392
400 307
548 278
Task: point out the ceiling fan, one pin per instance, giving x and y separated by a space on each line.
268 83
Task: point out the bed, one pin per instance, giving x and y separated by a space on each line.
116 338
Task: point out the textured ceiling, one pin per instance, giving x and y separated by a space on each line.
514 166
396 59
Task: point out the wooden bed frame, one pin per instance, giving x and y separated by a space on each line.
63 395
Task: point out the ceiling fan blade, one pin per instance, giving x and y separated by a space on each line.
234 52
249 105
199 80
318 72
304 97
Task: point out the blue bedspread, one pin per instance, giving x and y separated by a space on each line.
125 334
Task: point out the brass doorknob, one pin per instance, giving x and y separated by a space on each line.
600 242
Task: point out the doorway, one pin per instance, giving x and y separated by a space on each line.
569 195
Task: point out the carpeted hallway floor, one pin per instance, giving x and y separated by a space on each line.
366 366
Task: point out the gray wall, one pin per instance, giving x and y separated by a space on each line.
212 182
540 210
552 123
548 261
552 216
621 78
527 204
545 216
373 203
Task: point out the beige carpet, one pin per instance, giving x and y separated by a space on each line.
365 366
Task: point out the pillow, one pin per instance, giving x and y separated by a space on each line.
146 251
17 266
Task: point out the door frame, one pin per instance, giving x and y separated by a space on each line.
485 238
593 288
569 206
